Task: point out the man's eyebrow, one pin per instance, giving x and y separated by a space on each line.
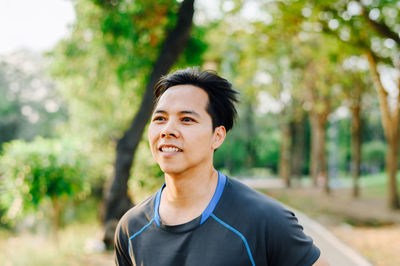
160 112
190 112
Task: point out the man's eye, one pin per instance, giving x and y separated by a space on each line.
187 119
158 118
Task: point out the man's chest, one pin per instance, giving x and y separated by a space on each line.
205 246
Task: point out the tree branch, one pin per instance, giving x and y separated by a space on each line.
380 27
382 94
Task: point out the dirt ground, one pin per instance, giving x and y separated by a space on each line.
366 224
379 245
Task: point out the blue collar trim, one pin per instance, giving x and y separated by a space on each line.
157 205
210 207
217 195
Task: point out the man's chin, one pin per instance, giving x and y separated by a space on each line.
169 170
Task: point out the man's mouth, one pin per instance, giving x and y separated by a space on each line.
169 148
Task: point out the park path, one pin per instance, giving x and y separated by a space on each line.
334 251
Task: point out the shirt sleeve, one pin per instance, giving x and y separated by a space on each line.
286 242
121 246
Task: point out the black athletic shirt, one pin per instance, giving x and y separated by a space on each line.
239 227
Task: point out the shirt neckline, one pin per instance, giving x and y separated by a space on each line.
197 221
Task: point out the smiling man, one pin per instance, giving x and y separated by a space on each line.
200 216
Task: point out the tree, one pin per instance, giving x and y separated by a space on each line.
33 173
357 85
319 98
390 122
254 70
390 116
314 65
371 27
117 201
116 53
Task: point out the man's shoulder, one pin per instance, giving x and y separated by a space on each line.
244 195
138 215
130 223
250 203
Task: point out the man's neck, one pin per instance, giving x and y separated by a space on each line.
185 197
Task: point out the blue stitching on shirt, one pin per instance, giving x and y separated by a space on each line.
237 233
136 234
217 195
157 205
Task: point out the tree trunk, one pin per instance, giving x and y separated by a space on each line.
356 138
391 168
284 157
298 147
323 171
318 154
116 200
390 122
56 219
249 123
314 150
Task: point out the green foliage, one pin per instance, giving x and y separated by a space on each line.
373 155
296 59
33 173
195 49
231 155
241 151
268 152
29 102
341 143
103 67
100 105
146 176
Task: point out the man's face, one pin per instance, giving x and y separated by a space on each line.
181 136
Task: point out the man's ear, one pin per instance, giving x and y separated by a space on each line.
219 137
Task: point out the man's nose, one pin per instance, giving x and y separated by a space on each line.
169 130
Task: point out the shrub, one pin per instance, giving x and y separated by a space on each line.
373 156
39 172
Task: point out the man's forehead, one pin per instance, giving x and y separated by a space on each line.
185 88
186 96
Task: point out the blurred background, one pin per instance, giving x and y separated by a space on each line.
318 123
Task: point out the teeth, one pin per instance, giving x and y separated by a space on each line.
169 149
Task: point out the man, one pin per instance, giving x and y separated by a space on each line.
200 216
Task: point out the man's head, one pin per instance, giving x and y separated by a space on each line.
221 96
192 113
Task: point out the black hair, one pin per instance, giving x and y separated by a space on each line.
221 96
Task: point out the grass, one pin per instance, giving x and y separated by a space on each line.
72 246
35 249
377 185
372 185
370 209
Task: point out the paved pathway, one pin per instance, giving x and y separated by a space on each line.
333 250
